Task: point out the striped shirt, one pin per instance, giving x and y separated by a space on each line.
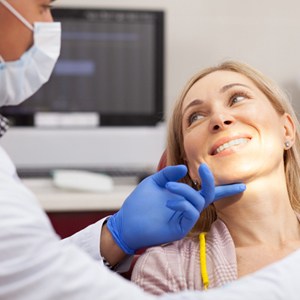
176 266
3 125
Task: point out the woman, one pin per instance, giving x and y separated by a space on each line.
241 125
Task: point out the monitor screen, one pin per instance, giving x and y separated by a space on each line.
111 64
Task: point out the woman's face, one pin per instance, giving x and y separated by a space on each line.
230 124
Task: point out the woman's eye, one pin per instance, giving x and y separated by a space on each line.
237 98
195 117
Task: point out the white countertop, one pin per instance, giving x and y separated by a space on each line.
54 199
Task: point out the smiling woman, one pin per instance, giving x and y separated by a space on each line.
241 125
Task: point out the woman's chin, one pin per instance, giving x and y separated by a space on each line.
221 180
234 175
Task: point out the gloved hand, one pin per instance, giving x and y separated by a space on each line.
161 210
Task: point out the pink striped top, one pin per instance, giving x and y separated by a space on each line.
175 266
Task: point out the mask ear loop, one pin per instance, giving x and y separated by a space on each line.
17 14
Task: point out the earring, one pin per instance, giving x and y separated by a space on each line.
195 184
287 144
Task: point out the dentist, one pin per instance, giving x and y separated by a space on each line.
34 262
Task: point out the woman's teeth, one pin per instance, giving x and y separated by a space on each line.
230 144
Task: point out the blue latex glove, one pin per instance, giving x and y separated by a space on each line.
161 210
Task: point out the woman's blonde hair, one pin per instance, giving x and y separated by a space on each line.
280 102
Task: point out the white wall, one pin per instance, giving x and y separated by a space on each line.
264 33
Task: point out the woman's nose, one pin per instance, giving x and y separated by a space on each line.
220 122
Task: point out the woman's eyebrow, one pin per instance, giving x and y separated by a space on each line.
193 103
231 85
222 90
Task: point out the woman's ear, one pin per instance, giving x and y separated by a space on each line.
289 130
192 172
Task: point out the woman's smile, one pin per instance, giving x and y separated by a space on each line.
231 145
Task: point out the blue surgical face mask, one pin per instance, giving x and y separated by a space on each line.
22 78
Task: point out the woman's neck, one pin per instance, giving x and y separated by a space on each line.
260 216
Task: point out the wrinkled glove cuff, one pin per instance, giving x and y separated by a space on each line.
111 225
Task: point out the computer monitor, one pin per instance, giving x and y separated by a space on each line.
111 66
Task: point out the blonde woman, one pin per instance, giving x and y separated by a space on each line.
241 125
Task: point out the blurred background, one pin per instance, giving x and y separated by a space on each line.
199 33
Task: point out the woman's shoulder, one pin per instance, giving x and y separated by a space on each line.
219 234
187 244
165 268
171 253
176 266
187 248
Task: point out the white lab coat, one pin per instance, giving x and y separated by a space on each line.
36 264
